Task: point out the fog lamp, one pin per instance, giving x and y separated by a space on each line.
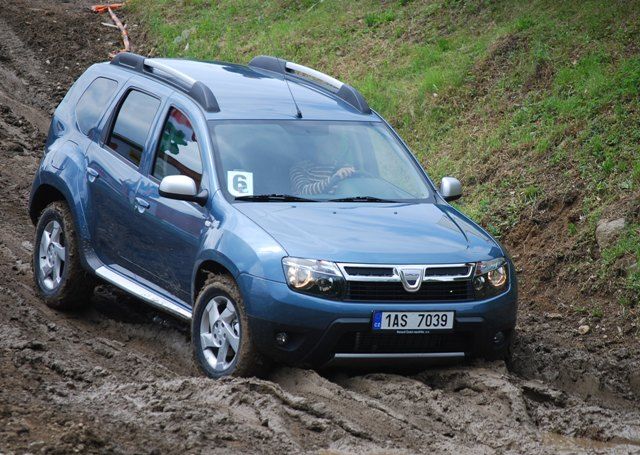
282 338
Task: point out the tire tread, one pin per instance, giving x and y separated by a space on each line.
250 361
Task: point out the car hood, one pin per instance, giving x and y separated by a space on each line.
373 233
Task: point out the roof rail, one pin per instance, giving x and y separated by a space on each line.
344 91
197 90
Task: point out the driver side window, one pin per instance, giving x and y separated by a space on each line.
178 152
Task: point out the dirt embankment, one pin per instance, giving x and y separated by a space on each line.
118 377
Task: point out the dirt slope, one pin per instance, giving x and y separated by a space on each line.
118 377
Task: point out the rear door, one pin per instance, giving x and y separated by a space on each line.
113 165
173 229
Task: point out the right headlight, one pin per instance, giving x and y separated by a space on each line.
311 276
491 278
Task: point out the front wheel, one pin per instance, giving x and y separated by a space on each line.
220 333
504 351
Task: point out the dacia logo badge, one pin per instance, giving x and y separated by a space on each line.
411 278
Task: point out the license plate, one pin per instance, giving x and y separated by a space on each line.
414 320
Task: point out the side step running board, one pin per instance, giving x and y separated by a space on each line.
143 293
425 355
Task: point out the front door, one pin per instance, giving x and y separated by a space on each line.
172 229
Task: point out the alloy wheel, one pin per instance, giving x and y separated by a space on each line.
220 333
52 255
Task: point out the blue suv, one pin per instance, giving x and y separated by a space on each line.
269 206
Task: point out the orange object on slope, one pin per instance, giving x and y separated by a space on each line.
105 8
123 30
118 22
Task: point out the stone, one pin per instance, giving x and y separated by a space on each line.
608 231
541 393
583 329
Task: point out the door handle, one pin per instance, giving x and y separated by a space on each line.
92 174
142 205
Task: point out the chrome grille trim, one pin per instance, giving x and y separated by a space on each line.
395 277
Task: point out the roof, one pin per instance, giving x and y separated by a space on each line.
244 92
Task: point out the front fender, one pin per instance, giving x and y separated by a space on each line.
239 245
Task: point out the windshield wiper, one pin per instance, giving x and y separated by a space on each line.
361 199
274 197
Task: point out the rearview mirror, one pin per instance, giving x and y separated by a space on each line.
450 188
182 188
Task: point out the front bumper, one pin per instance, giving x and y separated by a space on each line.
322 331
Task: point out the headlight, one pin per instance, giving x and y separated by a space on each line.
322 278
492 277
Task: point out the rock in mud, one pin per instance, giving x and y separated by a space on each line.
583 329
608 231
542 393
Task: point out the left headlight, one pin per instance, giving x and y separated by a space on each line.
491 278
322 278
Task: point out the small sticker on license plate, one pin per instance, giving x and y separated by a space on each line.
413 320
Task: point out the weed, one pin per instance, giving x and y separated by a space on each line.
524 23
375 19
531 192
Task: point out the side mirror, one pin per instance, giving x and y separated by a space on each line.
182 188
450 189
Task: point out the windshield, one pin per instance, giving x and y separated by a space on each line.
314 161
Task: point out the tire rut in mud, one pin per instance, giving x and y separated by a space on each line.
118 376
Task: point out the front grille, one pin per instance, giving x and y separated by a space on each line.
369 271
393 343
447 271
447 291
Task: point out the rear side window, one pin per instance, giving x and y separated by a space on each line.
93 102
178 152
132 125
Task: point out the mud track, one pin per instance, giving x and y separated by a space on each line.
118 376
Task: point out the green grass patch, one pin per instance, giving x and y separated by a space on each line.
627 247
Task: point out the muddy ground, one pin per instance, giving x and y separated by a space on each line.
118 377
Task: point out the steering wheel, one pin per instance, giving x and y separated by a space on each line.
362 181
360 174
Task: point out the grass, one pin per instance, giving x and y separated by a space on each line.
524 101
627 246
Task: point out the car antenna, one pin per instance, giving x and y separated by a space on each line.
298 112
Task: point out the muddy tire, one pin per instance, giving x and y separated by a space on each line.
60 279
220 333
505 353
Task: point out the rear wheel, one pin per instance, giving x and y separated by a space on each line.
220 333
59 277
